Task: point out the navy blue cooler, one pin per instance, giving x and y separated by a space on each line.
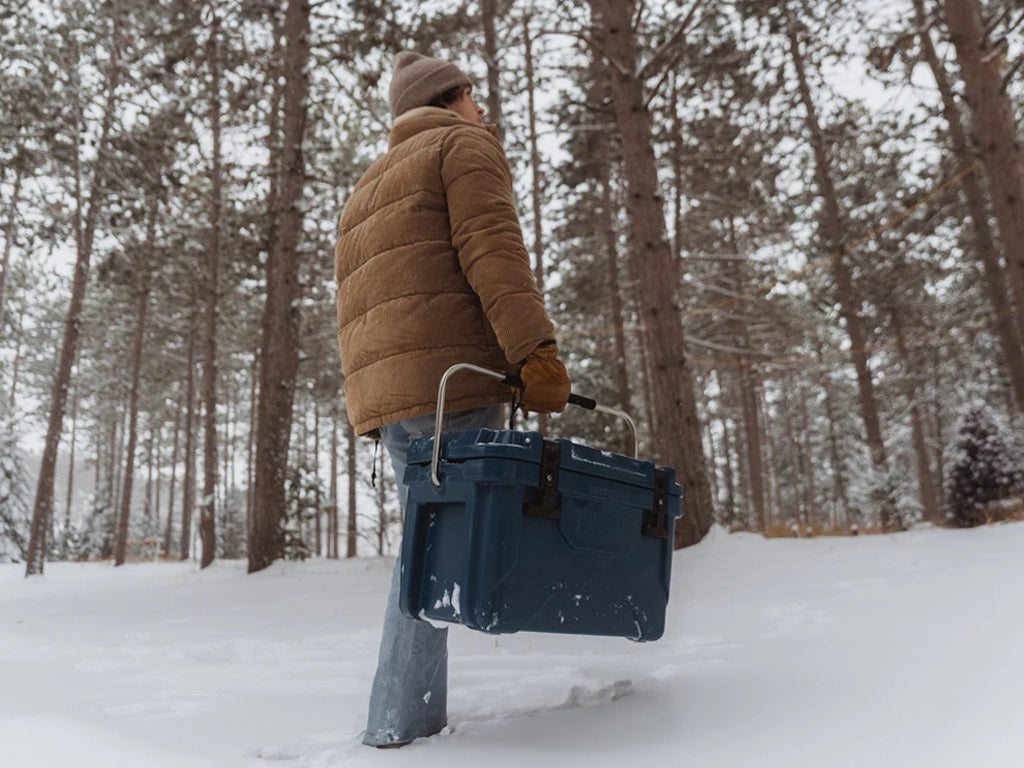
507 531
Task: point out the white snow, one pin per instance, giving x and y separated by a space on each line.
903 650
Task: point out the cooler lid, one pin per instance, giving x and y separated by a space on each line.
529 447
480 444
577 457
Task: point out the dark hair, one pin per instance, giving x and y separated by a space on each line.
449 97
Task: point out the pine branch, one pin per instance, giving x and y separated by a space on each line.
1011 72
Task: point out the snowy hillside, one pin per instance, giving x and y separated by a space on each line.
903 650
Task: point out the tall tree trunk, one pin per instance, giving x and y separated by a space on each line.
729 474
995 131
71 475
611 247
169 530
207 505
748 385
678 441
142 287
332 520
147 497
535 178
925 481
118 456
709 441
280 326
351 528
833 230
796 466
1011 342
318 532
188 490
156 453
250 458
838 477
43 507
805 427
938 431
488 15
776 476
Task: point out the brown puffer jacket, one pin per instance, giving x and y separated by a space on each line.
432 271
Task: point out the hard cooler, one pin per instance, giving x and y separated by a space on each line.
528 534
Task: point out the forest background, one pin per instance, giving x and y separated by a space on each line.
788 237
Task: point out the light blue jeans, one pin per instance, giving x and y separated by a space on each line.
409 698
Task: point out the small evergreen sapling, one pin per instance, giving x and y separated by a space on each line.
15 497
982 470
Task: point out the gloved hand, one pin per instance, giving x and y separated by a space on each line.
545 380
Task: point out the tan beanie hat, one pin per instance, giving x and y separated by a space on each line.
418 80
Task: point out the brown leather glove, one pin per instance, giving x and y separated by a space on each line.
545 380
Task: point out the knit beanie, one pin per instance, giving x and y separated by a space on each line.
418 80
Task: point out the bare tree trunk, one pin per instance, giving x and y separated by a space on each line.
250 491
940 438
678 441
925 482
351 530
71 475
792 448
156 453
776 475
995 132
43 507
535 186
332 520
111 481
280 326
709 440
168 532
838 477
147 497
848 299
318 532
188 490
730 477
748 386
142 286
805 427
119 451
207 505
618 314
488 15
995 278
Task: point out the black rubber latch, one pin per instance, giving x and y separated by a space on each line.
547 502
656 519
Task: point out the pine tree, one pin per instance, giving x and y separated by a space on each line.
15 496
982 470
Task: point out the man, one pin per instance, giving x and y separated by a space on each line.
432 271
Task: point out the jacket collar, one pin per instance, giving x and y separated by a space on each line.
422 119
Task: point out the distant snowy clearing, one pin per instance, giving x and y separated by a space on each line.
901 650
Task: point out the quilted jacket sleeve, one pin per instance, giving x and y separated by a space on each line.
485 232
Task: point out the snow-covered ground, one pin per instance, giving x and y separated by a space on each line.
903 650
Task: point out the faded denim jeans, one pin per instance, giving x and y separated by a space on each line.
409 698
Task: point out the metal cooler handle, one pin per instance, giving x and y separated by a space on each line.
579 400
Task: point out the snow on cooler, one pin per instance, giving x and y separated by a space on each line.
902 650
